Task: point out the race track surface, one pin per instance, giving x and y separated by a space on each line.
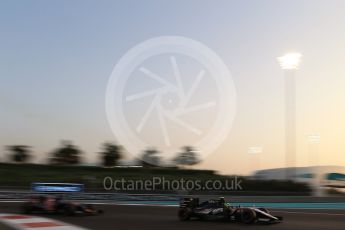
164 218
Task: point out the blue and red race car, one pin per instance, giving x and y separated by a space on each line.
48 204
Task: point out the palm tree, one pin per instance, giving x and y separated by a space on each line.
111 154
19 153
66 154
150 158
187 157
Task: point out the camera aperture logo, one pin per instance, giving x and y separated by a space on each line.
170 92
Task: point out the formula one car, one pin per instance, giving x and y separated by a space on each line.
220 210
56 205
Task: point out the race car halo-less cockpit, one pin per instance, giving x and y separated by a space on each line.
220 210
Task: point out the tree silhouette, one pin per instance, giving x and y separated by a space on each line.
187 157
111 154
19 153
67 154
150 158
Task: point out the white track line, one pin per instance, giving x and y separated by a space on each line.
312 213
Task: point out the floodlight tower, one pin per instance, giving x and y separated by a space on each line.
314 141
255 155
313 153
289 63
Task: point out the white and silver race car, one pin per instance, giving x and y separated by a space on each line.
221 210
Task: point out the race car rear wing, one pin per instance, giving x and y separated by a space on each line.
189 202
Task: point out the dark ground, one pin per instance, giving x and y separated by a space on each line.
164 218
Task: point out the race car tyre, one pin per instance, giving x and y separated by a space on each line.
27 209
228 212
184 214
60 211
248 216
69 211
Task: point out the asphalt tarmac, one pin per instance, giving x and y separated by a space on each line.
129 217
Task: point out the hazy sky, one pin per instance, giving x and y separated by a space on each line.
56 58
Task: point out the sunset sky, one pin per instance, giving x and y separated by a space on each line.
56 58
